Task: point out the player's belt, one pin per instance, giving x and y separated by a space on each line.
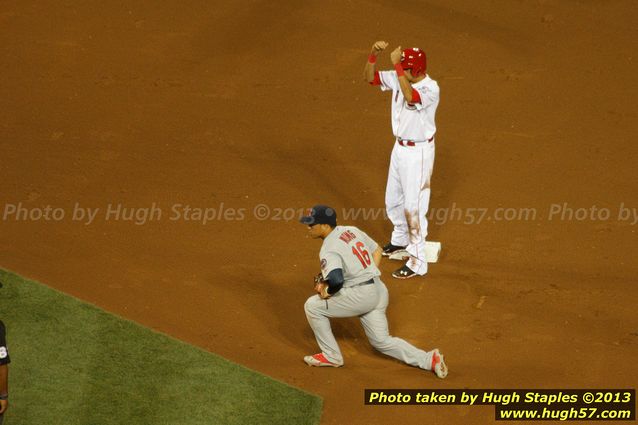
367 282
405 142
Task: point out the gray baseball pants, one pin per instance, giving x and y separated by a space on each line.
369 302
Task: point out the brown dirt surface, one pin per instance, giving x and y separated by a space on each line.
232 105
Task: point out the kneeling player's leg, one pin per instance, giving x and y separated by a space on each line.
349 302
375 324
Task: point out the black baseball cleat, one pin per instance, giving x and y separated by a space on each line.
404 273
389 249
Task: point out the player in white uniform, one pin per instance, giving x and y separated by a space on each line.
415 97
351 287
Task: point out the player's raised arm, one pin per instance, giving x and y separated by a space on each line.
370 68
406 87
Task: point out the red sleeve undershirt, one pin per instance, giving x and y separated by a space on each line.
416 97
377 79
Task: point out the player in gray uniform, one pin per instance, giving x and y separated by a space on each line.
349 285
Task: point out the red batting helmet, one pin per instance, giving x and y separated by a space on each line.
415 60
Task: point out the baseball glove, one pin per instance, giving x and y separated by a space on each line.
321 286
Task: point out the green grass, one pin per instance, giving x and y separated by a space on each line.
73 363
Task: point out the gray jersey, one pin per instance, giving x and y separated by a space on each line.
349 249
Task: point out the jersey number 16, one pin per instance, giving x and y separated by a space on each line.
362 254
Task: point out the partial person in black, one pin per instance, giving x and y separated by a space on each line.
4 370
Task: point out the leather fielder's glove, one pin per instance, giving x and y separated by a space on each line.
321 286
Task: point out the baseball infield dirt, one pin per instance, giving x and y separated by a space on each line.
145 113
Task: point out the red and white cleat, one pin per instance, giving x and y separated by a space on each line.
438 364
319 360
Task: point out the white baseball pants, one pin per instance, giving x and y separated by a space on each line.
369 302
407 198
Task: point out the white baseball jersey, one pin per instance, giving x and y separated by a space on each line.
349 249
412 122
